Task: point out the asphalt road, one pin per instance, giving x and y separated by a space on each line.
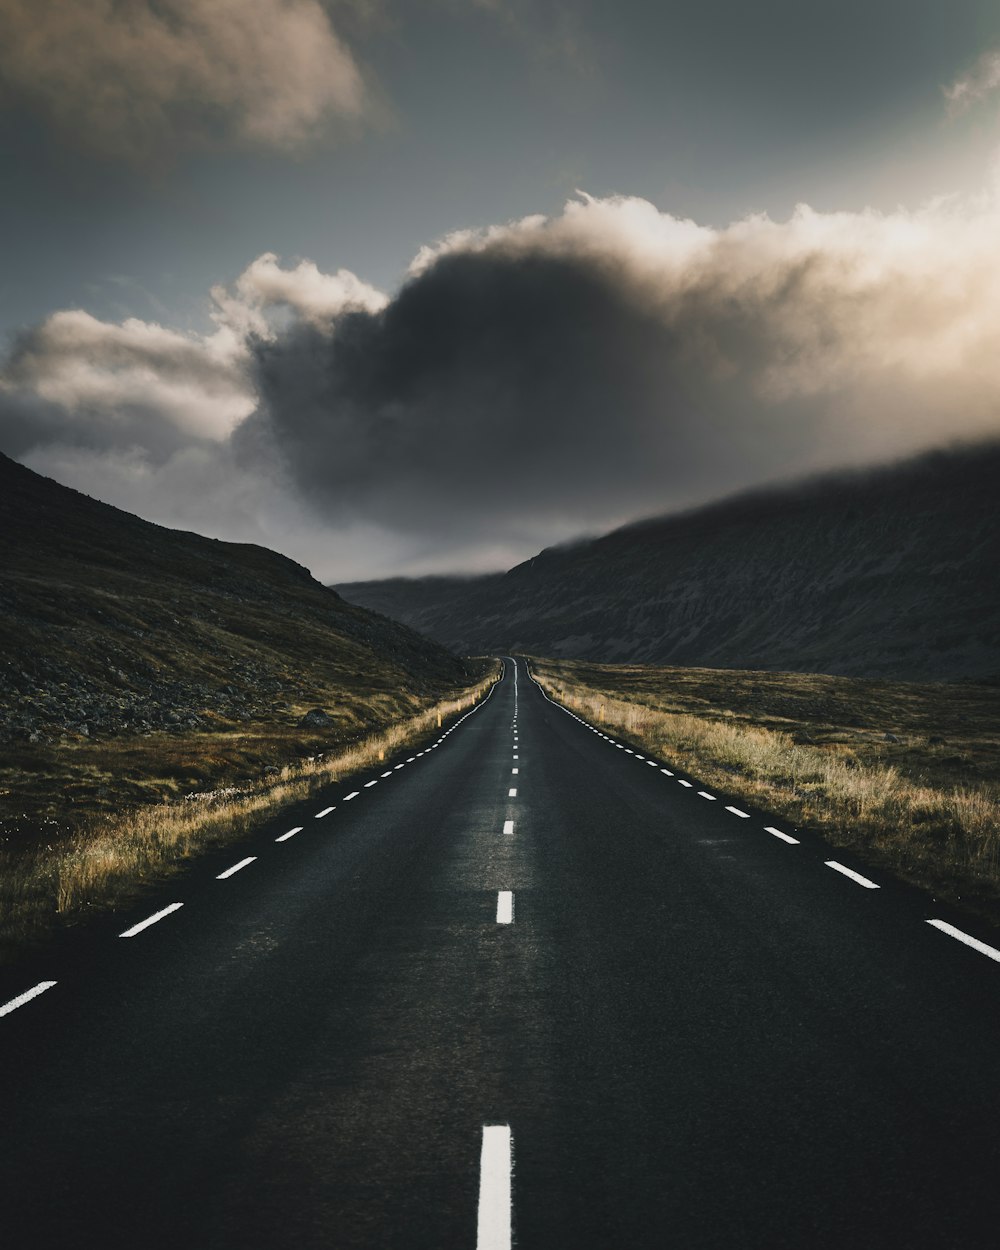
679 1029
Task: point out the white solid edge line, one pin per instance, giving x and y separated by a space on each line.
144 924
505 907
705 795
990 952
855 876
236 868
290 834
508 826
493 1224
325 812
739 812
785 837
353 795
26 997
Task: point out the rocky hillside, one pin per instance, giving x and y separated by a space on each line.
112 626
891 573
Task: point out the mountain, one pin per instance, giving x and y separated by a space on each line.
114 626
893 572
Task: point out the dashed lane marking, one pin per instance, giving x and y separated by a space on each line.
236 868
353 795
513 772
686 784
505 907
854 876
153 919
990 952
508 826
290 834
493 1225
325 812
739 812
666 772
512 793
26 997
705 795
785 837
368 784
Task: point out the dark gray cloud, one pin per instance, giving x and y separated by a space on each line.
528 382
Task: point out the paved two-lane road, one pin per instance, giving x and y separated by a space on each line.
688 1030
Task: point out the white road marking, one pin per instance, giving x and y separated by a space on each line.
785 837
512 793
235 868
737 812
325 812
685 783
855 876
398 767
640 757
387 774
27 996
513 772
505 907
666 772
410 760
508 826
705 795
144 924
290 834
990 952
493 1228
369 784
629 751
515 757
651 763
353 795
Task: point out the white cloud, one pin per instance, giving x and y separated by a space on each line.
981 80
141 80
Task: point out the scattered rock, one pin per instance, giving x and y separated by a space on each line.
888 737
315 718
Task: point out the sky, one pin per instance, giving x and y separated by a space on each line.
425 286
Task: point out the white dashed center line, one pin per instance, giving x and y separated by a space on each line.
144 924
290 834
325 812
855 876
666 772
398 767
26 997
387 774
505 907
785 837
513 772
236 868
686 784
990 952
705 795
493 1228
369 784
737 812
508 826
353 795
512 793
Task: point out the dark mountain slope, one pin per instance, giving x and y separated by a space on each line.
894 572
111 625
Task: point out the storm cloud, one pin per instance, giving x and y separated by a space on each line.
532 381
138 80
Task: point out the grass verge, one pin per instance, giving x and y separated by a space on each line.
905 775
106 860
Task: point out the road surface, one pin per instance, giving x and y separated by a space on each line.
525 987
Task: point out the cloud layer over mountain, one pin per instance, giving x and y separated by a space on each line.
527 382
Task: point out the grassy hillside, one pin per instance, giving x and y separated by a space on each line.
904 774
140 664
887 574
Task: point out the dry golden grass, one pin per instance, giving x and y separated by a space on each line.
104 862
908 816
